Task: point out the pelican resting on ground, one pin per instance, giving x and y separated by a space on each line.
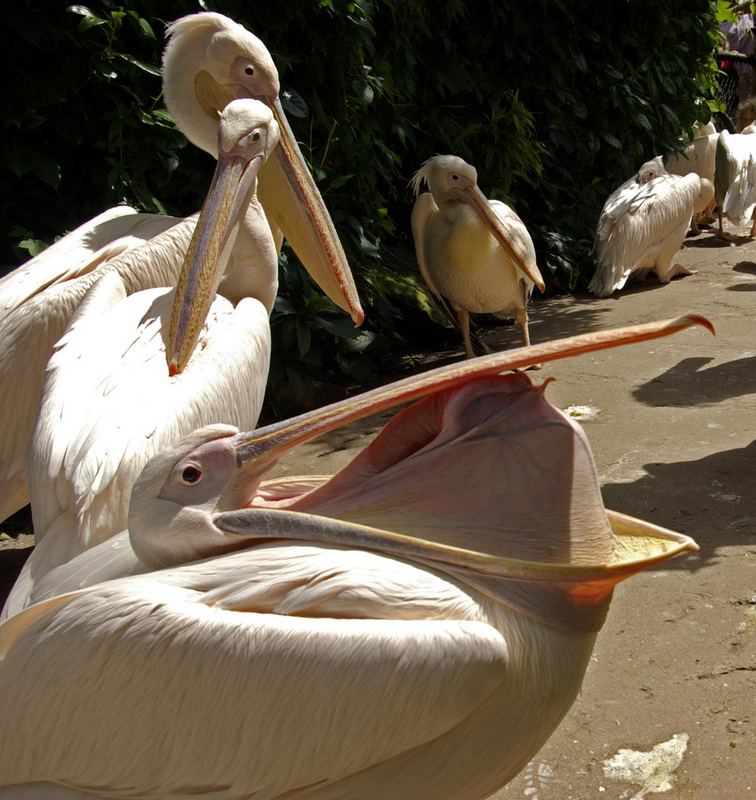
109 401
414 627
209 60
736 178
474 253
642 226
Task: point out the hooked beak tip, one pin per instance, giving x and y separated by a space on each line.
173 367
697 319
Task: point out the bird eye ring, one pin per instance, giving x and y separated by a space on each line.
191 474
249 70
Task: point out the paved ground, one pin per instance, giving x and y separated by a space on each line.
675 442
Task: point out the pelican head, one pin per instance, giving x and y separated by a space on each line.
482 479
211 60
650 170
452 181
247 134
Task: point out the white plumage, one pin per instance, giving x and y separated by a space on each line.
109 403
698 156
94 243
642 226
313 669
473 252
209 61
736 176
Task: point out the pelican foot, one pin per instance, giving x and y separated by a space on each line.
679 271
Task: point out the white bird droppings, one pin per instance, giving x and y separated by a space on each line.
581 413
653 771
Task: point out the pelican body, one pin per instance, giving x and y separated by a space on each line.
643 224
473 252
736 178
209 61
125 381
413 627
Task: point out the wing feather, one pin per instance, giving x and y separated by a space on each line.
89 246
422 212
108 404
636 222
28 335
230 701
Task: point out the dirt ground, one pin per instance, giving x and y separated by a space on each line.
669 701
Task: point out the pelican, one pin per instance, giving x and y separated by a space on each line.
473 252
414 627
698 156
736 178
642 225
208 60
120 385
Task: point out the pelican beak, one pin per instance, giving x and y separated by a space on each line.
230 192
293 203
523 261
393 497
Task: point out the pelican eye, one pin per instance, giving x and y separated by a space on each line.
191 474
249 70
455 177
256 136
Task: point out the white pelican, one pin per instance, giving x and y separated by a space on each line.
108 401
735 181
472 252
310 662
642 225
209 60
698 156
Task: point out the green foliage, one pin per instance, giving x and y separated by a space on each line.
554 102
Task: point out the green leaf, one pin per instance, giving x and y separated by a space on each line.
303 337
144 25
293 103
47 170
611 140
33 246
141 64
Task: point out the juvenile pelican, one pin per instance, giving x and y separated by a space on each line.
412 628
209 61
109 402
642 225
473 252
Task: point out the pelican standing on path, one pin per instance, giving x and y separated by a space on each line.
413 628
735 181
120 385
643 224
473 252
209 61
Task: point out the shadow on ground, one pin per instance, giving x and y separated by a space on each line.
551 320
711 499
712 240
687 384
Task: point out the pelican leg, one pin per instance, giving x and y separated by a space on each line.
721 234
521 315
753 224
464 323
666 270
